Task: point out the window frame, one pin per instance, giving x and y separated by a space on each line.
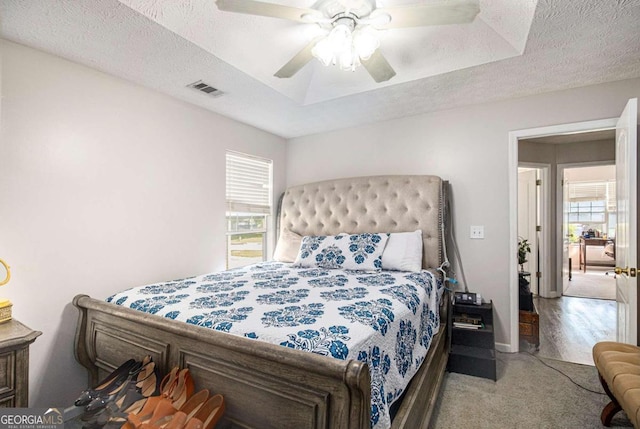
243 207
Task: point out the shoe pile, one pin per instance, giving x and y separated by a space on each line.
131 397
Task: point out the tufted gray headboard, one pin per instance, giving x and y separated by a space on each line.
369 204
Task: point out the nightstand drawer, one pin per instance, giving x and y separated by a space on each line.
7 372
15 339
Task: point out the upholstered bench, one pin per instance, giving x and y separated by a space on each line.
619 370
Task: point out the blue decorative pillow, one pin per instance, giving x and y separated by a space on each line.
362 252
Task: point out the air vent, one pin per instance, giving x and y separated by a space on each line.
205 88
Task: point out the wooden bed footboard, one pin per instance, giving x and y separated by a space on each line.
265 385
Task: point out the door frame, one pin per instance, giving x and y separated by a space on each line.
544 261
559 214
514 137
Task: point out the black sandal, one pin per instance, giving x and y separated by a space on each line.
113 380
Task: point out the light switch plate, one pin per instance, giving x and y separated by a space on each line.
477 232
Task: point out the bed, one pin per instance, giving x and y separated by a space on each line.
270 386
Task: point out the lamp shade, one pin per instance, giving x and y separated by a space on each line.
346 47
323 51
365 42
340 38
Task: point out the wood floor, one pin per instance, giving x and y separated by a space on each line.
569 327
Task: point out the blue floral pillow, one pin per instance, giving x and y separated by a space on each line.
361 252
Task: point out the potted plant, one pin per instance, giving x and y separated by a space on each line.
526 297
523 249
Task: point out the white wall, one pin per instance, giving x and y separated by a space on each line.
104 185
469 147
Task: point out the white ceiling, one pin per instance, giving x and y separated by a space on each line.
514 48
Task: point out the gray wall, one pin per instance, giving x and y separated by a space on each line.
554 154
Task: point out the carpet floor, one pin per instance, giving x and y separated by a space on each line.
527 394
592 284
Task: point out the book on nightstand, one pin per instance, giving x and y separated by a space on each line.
469 319
467 325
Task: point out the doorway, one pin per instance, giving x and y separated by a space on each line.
580 186
588 230
523 142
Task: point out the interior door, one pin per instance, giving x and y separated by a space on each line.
627 224
527 218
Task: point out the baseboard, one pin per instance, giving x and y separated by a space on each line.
552 294
505 348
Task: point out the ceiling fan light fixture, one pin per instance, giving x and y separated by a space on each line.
365 42
347 44
340 37
323 51
349 60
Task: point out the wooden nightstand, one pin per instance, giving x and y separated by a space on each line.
473 350
15 339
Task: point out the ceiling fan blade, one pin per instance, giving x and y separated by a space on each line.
272 10
448 12
298 61
378 67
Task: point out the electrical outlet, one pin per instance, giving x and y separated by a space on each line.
477 232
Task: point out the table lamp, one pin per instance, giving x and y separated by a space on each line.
5 304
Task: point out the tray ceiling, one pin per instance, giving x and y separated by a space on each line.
259 46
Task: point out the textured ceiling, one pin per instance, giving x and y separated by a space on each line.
569 44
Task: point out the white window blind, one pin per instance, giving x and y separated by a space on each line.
248 184
594 191
588 191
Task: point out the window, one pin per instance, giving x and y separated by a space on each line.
587 212
592 205
248 193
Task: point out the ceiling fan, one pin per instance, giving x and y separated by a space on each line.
350 26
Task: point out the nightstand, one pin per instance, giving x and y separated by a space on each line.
473 350
15 339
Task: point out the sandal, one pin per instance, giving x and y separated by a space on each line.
113 380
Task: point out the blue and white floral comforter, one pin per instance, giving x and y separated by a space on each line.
385 319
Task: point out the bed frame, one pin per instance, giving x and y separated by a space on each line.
270 386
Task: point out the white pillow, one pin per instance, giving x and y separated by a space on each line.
362 252
403 252
288 246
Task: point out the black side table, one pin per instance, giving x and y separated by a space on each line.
473 350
